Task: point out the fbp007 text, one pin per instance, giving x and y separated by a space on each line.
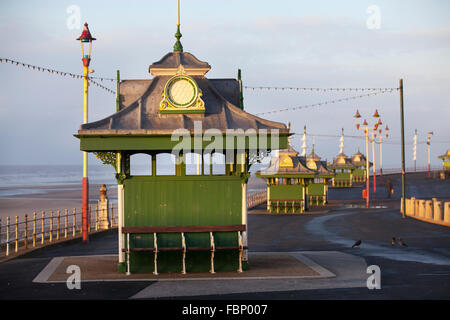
246 309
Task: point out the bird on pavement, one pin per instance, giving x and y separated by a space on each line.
393 241
401 242
356 244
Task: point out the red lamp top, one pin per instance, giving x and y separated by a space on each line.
357 115
365 122
86 34
376 115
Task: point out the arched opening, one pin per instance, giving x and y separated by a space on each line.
216 161
194 163
140 164
165 164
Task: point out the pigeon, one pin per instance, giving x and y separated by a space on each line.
393 241
356 244
401 242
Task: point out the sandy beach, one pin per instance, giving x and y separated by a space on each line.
25 200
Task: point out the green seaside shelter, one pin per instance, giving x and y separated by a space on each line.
318 189
186 221
343 168
445 163
359 173
287 179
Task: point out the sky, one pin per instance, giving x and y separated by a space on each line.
337 44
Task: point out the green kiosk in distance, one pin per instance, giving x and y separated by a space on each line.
343 168
186 220
359 171
295 182
287 179
318 189
445 165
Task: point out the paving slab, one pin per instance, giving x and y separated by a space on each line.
264 265
348 272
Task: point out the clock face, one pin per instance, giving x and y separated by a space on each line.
181 91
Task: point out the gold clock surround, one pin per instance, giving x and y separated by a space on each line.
181 94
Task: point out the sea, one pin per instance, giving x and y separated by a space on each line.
35 179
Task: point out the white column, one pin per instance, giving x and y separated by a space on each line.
244 220
120 209
304 142
120 215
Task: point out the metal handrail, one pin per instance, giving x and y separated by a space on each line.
42 229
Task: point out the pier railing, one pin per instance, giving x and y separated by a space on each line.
434 170
42 228
256 198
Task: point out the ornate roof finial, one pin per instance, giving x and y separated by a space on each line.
341 147
178 47
314 142
304 142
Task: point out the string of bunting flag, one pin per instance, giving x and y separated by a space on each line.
374 91
61 73
318 89
388 90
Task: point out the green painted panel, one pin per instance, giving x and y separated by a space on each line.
183 201
316 189
359 173
282 192
342 176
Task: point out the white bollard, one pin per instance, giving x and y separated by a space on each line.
447 212
437 211
422 208
417 207
412 203
429 209
408 207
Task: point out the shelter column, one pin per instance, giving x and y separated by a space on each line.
244 206
120 207
244 221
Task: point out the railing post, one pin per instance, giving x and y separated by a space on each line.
96 217
65 223
26 232
0 236
51 226
16 242
7 236
112 216
89 219
58 221
42 227
74 222
34 229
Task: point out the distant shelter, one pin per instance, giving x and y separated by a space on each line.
445 164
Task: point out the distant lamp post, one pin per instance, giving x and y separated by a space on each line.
373 130
376 116
386 129
415 150
429 152
357 117
86 49
380 132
